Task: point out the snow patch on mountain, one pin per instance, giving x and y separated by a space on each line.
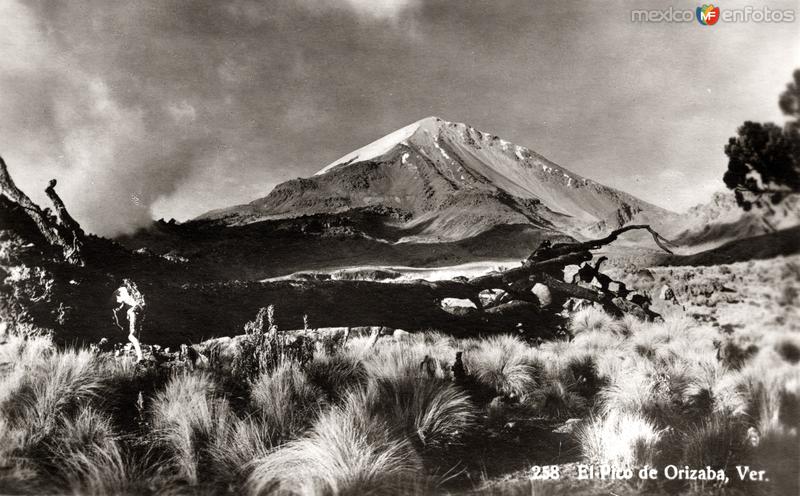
376 148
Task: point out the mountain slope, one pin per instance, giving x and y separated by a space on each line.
443 181
721 220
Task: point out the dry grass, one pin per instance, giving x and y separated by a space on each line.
91 461
555 400
286 401
348 451
336 375
505 365
620 439
593 319
382 420
719 442
42 389
430 412
190 422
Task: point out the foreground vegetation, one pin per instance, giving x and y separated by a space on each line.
399 417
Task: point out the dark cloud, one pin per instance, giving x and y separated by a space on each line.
171 108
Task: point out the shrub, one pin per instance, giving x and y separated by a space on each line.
263 348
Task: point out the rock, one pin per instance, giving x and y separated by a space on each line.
491 297
543 294
570 271
645 275
458 306
616 287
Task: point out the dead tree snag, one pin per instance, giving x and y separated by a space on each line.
53 232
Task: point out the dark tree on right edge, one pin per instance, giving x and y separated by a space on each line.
764 159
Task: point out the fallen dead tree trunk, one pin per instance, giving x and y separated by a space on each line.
546 266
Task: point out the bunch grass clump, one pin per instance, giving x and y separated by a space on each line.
286 401
349 451
505 365
190 421
593 319
620 439
431 412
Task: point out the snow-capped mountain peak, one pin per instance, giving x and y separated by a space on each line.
449 181
385 144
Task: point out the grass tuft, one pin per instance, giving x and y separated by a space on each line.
620 440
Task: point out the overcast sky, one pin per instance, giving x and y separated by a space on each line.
161 108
